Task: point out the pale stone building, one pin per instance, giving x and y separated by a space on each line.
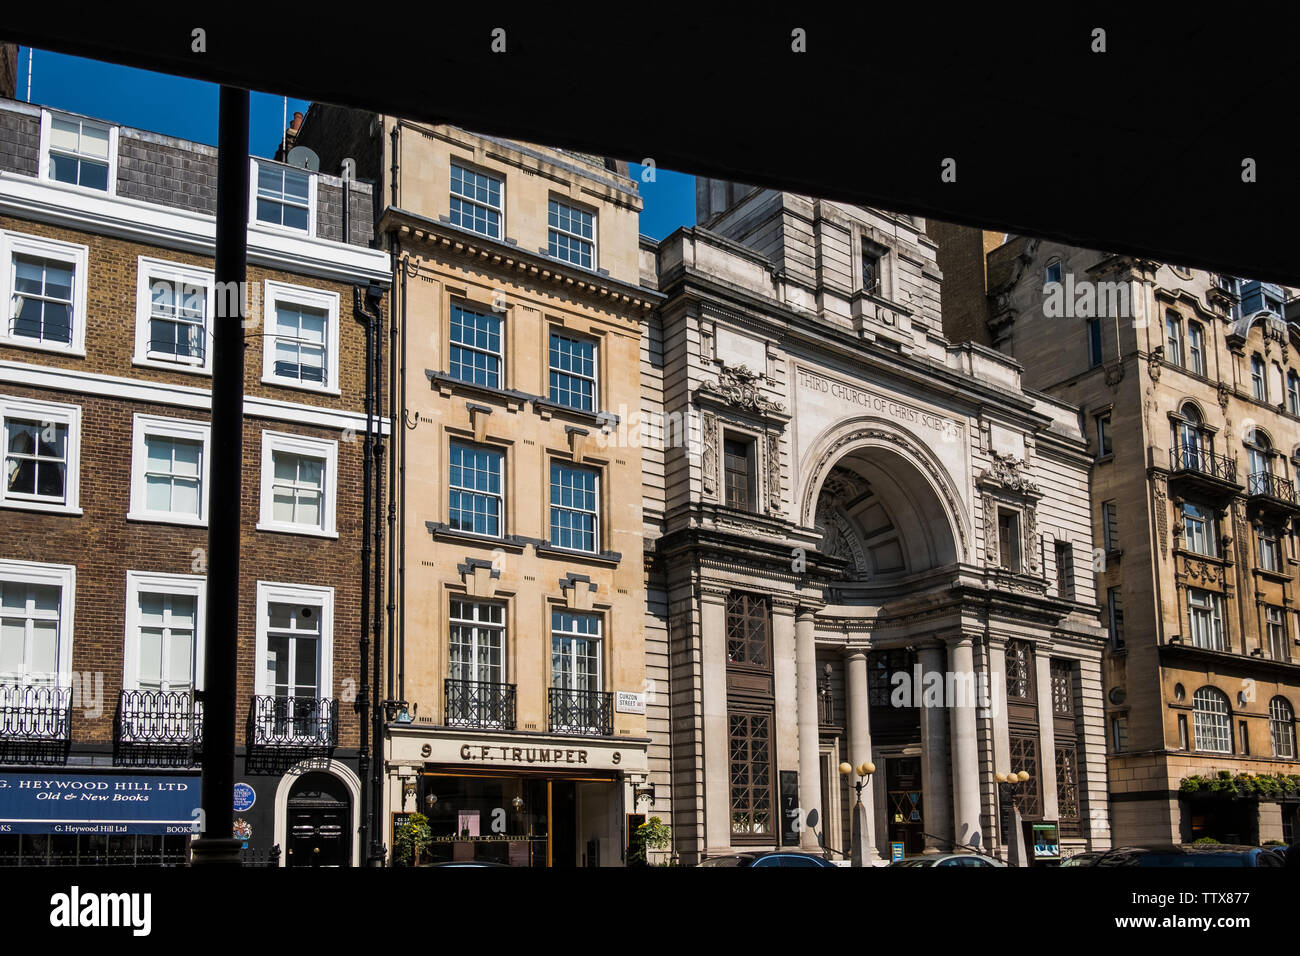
518 720
1188 384
839 501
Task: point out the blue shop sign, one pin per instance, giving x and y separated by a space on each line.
72 803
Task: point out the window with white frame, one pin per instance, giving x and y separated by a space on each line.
1205 618
1281 726
476 497
1270 547
1275 631
474 346
477 631
1212 721
572 234
1196 348
169 470
299 481
302 338
36 605
295 661
576 670
283 196
1258 382
1198 529
1053 272
164 632
1173 338
43 282
572 371
42 442
575 510
476 201
173 315
79 152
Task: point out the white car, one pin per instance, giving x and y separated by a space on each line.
948 859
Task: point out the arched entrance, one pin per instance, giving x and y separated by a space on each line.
319 821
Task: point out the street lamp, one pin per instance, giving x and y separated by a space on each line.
864 771
1009 786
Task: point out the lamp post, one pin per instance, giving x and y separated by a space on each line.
1009 785
864 771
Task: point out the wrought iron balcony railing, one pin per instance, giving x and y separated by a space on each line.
479 704
159 718
307 722
1264 485
1197 460
586 712
35 712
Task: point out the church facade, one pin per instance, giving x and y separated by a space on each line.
864 544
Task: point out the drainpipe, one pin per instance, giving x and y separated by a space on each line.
363 705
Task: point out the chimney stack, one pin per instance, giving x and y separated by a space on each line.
290 135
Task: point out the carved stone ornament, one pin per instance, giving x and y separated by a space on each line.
1115 374
1224 394
709 459
1156 356
740 386
774 474
1008 471
1160 495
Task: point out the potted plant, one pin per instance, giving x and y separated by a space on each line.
411 839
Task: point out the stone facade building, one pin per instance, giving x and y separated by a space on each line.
839 504
519 721
106 275
1188 385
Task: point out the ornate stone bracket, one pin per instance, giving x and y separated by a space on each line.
741 387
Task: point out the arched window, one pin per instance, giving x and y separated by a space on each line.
1293 393
1212 721
1281 725
1260 454
1190 440
1258 380
1053 272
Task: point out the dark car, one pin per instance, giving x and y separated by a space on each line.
1191 854
781 858
1089 858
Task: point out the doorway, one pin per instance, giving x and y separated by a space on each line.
905 806
319 822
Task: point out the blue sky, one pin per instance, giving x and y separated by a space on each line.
188 109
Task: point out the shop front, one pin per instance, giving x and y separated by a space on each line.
518 799
57 818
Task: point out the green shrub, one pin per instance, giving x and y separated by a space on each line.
411 839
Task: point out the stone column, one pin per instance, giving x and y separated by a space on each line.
810 786
785 682
859 746
965 751
936 782
717 758
1046 732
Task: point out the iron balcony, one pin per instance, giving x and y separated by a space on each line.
34 723
1205 475
310 723
1270 493
479 704
584 712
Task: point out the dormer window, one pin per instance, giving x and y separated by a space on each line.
283 196
79 152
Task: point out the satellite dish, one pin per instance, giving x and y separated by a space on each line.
303 158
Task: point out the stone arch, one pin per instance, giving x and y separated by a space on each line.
334 768
871 434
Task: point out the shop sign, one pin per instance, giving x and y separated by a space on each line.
69 803
527 755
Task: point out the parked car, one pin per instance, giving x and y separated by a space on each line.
1191 854
948 859
782 858
1089 858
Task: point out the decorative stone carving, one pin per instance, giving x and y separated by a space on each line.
1224 395
1008 471
1115 375
1154 359
774 474
990 532
1031 539
740 386
1160 495
709 457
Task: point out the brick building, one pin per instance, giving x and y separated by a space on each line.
106 237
